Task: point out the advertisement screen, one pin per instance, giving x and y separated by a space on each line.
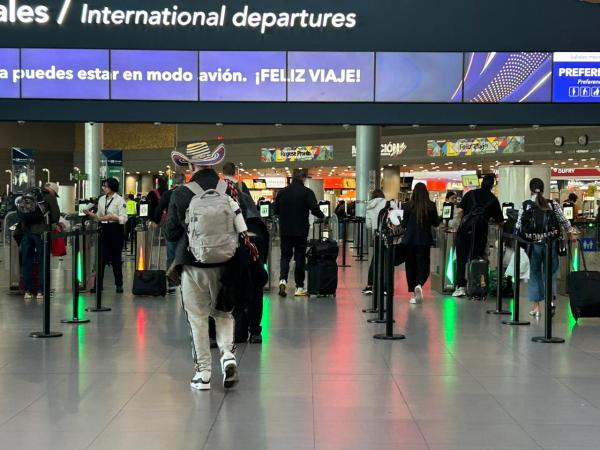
81 208
447 212
143 209
242 76
470 181
154 75
9 65
568 212
419 77
518 77
325 208
576 78
64 73
331 77
265 210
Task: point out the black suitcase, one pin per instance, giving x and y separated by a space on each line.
322 278
583 291
150 282
322 249
478 278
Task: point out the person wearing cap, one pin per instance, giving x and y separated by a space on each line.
201 283
32 243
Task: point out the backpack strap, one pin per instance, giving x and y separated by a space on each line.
221 187
194 187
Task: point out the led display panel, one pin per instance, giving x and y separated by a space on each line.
9 73
243 76
576 78
419 77
331 77
508 77
64 73
154 75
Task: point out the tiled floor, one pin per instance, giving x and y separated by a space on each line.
461 379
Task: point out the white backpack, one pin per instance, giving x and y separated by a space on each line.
212 238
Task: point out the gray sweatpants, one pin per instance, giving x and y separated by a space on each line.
199 290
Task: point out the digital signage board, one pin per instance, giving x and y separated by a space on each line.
242 76
576 78
518 77
331 76
9 65
419 77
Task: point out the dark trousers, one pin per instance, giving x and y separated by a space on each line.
463 252
293 246
112 246
32 249
417 264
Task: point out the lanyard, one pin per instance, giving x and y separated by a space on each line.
107 203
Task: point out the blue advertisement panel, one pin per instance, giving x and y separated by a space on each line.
331 77
419 77
576 78
154 75
64 73
9 73
243 76
518 77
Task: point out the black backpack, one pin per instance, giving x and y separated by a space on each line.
476 217
538 224
31 207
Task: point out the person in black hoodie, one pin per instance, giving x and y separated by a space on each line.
420 215
292 205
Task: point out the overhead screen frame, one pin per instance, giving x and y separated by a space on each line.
287 101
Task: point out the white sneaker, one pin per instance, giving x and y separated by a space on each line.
282 288
459 292
231 375
201 380
300 292
418 294
413 301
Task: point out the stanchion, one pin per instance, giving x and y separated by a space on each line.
389 285
360 239
99 275
517 288
46 333
499 307
548 338
344 242
75 279
379 279
376 269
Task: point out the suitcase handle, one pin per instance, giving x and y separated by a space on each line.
582 253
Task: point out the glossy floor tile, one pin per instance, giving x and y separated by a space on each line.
460 379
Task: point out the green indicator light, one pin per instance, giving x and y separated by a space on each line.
79 268
450 317
450 267
575 262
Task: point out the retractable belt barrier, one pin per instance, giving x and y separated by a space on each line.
344 222
75 236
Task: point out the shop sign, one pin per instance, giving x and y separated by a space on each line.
575 173
292 154
502 145
388 149
276 182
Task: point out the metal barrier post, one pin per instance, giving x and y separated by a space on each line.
99 276
360 253
389 285
376 270
344 242
548 338
75 279
46 333
499 307
378 277
517 289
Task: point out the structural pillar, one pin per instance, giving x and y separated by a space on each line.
368 162
94 142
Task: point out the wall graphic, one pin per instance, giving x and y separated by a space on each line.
291 154
502 145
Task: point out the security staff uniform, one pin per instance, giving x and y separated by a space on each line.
113 234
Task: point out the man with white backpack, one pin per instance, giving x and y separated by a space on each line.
207 223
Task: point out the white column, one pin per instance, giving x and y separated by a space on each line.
94 142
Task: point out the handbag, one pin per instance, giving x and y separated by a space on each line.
58 246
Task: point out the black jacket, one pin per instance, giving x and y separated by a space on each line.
53 215
292 205
419 233
175 228
163 205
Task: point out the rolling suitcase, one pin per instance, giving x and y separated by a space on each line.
583 291
478 279
322 268
151 282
